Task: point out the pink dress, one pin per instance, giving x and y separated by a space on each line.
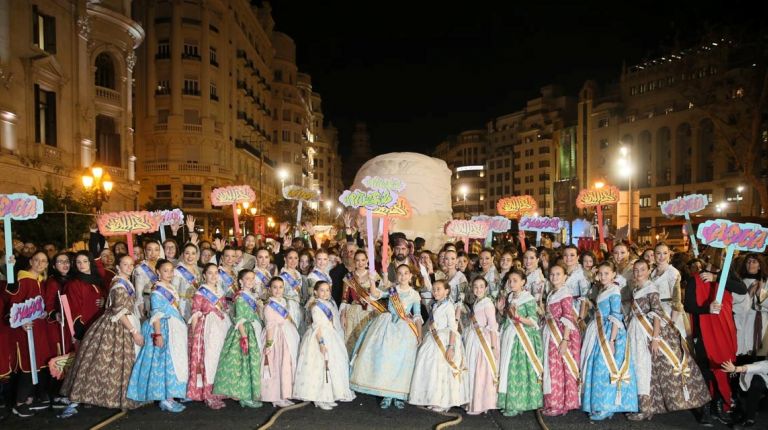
483 368
561 381
279 364
206 339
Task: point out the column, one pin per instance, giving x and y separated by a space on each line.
205 64
177 68
150 48
132 168
86 152
8 131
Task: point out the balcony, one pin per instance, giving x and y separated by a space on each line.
107 94
155 166
161 126
190 92
194 168
217 127
193 57
214 63
117 172
193 128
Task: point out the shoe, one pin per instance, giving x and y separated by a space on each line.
706 416
41 405
171 406
639 416
283 403
600 416
22 411
439 410
553 412
334 404
60 403
69 411
744 425
251 404
185 400
215 404
399 404
719 413
324 406
386 402
510 412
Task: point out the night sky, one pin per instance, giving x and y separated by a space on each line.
416 73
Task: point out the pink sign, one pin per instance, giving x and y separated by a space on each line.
686 204
232 195
543 224
20 206
23 313
464 228
124 223
496 224
721 233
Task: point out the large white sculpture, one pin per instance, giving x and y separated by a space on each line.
428 190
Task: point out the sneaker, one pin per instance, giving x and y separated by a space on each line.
744 424
251 404
215 404
324 406
40 405
171 406
386 402
718 411
23 411
60 403
69 411
399 404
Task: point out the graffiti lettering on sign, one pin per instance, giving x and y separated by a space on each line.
496 224
372 199
607 195
295 192
401 210
543 224
28 311
467 228
379 183
516 205
20 206
685 204
722 233
168 217
232 195
122 223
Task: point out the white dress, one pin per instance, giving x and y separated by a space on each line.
745 310
668 284
313 382
436 382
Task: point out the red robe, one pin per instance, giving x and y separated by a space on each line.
52 305
29 287
6 362
82 298
718 333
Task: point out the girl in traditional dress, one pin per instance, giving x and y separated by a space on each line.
750 311
520 361
280 349
489 272
667 281
440 379
263 272
589 264
562 345
208 328
357 306
482 352
535 283
608 371
293 288
322 372
186 278
624 275
506 261
577 284
667 378
84 292
144 274
385 353
162 367
103 363
239 372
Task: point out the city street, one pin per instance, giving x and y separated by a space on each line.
363 413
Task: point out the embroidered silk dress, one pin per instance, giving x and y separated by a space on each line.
520 361
238 375
436 381
579 287
561 371
278 365
206 339
385 354
665 382
358 310
186 280
261 290
144 278
161 373
668 285
294 294
482 357
104 360
228 285
609 383
494 281
322 378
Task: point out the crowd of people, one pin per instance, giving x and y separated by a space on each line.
515 327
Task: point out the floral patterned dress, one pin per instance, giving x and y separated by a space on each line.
357 310
206 339
561 371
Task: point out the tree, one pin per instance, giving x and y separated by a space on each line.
285 210
49 226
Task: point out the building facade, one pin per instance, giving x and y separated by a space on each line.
66 74
466 155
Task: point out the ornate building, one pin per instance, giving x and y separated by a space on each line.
66 84
466 156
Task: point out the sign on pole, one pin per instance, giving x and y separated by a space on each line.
684 206
467 229
18 206
541 224
597 197
232 195
25 313
128 224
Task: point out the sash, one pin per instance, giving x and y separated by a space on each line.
617 376
456 370
168 294
528 348
325 310
394 300
262 277
557 337
187 275
322 276
679 367
293 282
209 295
228 281
281 310
249 301
363 294
486 348
149 272
125 284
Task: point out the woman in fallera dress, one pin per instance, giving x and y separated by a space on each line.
281 348
385 353
186 278
293 288
162 368
208 328
239 372
322 371
103 363
263 273
482 351
357 306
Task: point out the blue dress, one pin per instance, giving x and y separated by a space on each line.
161 373
385 354
600 395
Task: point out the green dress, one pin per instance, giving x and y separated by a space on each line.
239 375
520 381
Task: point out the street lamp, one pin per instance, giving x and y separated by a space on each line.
625 169
739 197
464 190
329 205
720 207
96 180
283 175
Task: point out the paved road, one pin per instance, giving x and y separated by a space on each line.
363 413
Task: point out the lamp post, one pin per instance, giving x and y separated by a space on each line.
739 197
625 169
100 182
283 175
464 190
329 205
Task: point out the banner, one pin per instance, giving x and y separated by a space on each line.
542 224
466 228
401 210
260 225
589 197
496 224
232 195
18 206
379 183
28 311
125 223
515 206
173 218
685 206
296 192
721 233
371 199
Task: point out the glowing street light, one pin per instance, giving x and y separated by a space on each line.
96 180
464 190
625 170
283 175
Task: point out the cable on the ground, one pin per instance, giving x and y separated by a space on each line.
540 419
110 420
277 414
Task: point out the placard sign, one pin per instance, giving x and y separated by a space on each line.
128 224
173 218
684 206
18 206
232 195
597 197
302 194
467 229
496 224
515 206
401 210
722 233
540 224
25 313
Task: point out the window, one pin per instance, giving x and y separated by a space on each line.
296 137
661 198
163 88
603 123
192 196
498 177
286 135
544 177
191 87
278 76
191 116
506 189
190 50
633 91
529 152
544 150
286 115
105 71
162 116
544 190
163 193
107 141
212 55
516 181
506 176
544 163
45 116
214 92
507 162
645 201
498 190
44 28
163 49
